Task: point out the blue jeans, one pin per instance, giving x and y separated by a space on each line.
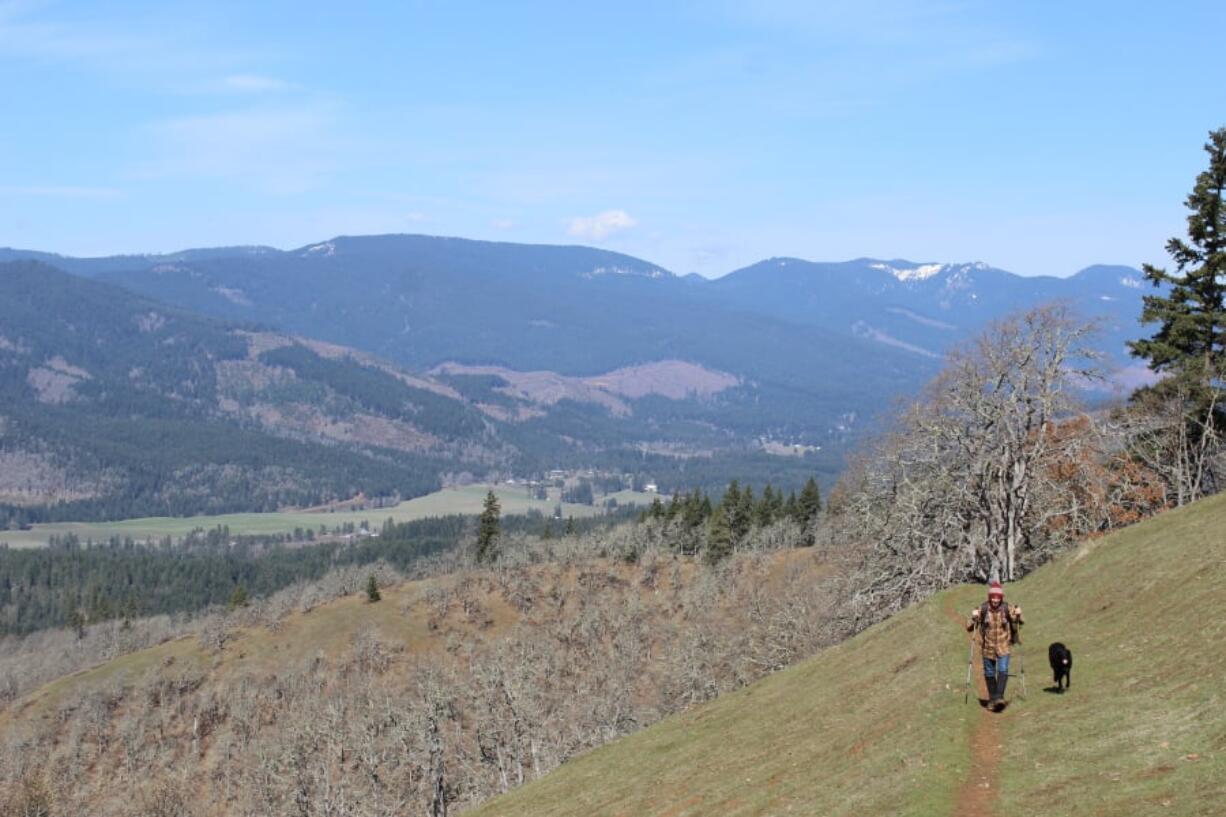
992 666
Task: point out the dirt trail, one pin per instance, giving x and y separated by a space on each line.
978 791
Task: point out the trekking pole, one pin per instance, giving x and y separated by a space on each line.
970 660
1021 660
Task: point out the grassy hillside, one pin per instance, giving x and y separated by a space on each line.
878 724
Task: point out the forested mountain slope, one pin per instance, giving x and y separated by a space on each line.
878 725
815 346
117 405
572 356
422 301
926 308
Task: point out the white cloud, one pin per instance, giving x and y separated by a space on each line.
600 225
502 223
61 192
415 217
254 83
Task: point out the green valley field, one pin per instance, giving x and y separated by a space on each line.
463 500
878 725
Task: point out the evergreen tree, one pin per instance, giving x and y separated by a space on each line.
696 509
488 529
129 610
239 597
1191 338
776 505
764 513
790 509
808 506
76 621
732 496
570 526
719 536
674 506
657 508
372 589
1190 343
743 518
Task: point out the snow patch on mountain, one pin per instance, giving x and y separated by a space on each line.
959 276
326 248
638 273
1131 283
918 273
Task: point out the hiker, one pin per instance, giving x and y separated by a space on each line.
997 623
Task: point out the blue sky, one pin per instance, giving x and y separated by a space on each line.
1038 136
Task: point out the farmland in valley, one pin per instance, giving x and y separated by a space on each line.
514 499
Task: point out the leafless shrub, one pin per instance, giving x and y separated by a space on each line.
27 661
370 654
608 647
438 600
1175 429
29 797
166 797
519 588
214 633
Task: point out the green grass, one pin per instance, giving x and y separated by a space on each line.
877 725
465 500
1143 729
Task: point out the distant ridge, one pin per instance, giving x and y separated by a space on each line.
116 405
817 350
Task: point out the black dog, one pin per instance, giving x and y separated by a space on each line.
1061 659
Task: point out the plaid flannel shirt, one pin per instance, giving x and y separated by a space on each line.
994 636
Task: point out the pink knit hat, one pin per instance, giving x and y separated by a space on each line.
994 589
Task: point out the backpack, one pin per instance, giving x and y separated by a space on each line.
1015 630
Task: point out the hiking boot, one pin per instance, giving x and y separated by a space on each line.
990 683
998 702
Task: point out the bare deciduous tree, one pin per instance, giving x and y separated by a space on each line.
1175 429
951 494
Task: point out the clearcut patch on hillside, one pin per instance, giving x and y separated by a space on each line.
671 379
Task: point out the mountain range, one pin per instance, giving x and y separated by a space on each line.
926 308
445 355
